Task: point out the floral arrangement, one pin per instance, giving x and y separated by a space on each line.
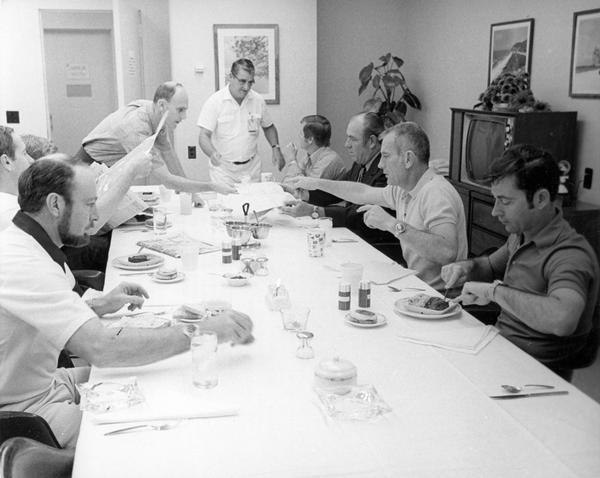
510 92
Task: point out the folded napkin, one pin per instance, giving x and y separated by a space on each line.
458 335
146 415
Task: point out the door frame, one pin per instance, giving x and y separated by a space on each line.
74 20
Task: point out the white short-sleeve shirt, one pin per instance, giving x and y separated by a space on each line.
39 313
235 127
433 201
9 205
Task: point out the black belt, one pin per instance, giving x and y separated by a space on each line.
242 162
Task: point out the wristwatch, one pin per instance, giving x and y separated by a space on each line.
399 228
315 213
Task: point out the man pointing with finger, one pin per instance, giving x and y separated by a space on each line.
430 221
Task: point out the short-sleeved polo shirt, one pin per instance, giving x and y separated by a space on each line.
556 257
433 201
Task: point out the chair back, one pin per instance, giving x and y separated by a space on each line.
26 458
29 425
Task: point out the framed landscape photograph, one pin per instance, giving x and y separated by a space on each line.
258 43
510 48
584 81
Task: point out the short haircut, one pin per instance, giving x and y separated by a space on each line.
317 127
372 125
7 145
37 146
42 178
533 169
242 64
416 138
166 91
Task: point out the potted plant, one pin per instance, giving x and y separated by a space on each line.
385 79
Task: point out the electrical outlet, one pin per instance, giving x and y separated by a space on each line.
192 152
588 174
12 117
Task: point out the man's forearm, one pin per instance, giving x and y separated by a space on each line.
272 135
179 183
351 191
432 246
206 145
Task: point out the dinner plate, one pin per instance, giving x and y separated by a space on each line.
381 320
123 263
400 308
178 278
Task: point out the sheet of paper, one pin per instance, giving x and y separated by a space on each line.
260 196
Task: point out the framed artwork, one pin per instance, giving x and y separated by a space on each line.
584 81
510 48
258 43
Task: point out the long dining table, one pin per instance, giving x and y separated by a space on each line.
442 422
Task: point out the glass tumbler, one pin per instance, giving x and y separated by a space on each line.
204 359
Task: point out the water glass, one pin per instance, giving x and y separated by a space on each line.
352 273
189 256
204 359
315 240
159 220
165 194
185 203
295 318
266 177
326 224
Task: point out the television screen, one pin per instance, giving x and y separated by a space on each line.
485 141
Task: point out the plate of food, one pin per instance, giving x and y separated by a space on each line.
167 275
424 306
365 318
138 262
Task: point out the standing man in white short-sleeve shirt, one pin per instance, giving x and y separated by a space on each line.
430 220
229 123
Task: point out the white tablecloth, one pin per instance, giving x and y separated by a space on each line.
443 422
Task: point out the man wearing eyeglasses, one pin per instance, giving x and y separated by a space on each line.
229 124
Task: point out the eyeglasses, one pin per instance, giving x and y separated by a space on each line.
250 83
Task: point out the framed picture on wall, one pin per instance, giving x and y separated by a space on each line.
510 48
584 81
258 43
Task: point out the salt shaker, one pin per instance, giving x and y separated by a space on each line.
344 296
364 294
226 252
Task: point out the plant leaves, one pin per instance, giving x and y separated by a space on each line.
389 81
395 117
401 108
365 74
394 71
362 88
376 81
411 100
399 61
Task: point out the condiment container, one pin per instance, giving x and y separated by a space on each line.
336 375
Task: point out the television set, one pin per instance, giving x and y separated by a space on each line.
479 137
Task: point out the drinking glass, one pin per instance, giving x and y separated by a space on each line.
326 224
189 256
185 203
295 318
204 359
159 220
352 273
315 241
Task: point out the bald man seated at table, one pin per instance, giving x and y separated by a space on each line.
430 220
121 131
41 314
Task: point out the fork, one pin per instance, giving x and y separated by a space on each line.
145 427
395 289
387 282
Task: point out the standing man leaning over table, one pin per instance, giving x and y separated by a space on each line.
126 128
549 272
40 314
364 147
430 221
229 124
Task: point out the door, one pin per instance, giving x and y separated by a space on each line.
80 80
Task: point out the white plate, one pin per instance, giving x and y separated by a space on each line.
178 278
123 263
399 308
381 320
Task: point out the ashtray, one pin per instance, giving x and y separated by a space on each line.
101 397
362 402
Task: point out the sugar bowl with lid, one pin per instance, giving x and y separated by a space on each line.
336 375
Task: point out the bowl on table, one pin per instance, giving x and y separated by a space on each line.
260 230
239 230
236 279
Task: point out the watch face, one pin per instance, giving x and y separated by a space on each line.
400 227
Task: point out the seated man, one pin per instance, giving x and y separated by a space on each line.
40 314
549 272
430 221
364 147
315 158
121 131
38 146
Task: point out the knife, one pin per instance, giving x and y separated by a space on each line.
525 395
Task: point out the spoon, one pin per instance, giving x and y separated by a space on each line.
515 389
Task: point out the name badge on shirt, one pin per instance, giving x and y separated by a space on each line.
253 123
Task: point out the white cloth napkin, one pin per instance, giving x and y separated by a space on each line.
460 335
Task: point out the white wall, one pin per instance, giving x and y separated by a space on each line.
191 26
22 84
